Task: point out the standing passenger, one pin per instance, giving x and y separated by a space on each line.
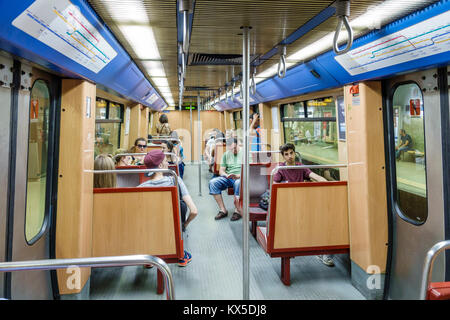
298 175
156 159
162 127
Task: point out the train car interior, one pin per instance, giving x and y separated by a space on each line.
225 150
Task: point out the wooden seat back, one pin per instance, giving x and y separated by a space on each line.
144 220
307 216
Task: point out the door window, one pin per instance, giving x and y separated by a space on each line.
37 160
410 153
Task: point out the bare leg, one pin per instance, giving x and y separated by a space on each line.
219 200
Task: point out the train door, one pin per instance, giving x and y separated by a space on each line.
31 127
416 174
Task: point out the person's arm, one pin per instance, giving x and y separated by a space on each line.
222 172
315 177
252 125
192 209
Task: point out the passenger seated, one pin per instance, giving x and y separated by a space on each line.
140 146
298 175
167 146
405 144
122 161
104 180
229 177
156 159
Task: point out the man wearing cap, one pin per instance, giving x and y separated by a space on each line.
156 159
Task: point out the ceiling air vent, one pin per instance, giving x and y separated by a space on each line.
199 59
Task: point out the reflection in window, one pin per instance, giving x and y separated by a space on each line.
109 118
408 119
311 127
107 138
37 159
115 111
100 110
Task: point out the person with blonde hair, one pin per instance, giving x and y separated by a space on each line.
104 180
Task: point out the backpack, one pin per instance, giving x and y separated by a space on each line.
264 200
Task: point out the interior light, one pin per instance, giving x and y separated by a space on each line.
160 82
142 40
154 68
123 11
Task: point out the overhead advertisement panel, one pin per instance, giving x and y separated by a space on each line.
421 40
60 25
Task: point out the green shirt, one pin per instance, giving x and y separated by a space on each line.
231 162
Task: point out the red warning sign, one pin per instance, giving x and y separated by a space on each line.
34 109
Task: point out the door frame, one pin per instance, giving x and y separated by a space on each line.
387 92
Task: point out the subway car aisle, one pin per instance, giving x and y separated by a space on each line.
215 271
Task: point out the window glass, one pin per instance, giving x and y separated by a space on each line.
107 137
100 110
408 119
321 108
316 141
37 159
115 111
294 110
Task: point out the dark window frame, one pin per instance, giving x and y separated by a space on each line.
393 164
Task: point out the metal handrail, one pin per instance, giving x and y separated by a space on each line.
166 139
143 154
314 166
96 262
428 266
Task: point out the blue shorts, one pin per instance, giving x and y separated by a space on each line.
218 184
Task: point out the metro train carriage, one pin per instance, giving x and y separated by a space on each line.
223 150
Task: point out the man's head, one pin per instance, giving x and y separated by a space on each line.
140 144
402 132
232 145
156 159
288 152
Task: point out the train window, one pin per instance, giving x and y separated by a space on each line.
100 109
410 166
311 127
115 111
108 124
37 160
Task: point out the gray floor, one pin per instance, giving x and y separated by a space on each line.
216 268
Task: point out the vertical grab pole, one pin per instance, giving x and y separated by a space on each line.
244 179
199 126
192 135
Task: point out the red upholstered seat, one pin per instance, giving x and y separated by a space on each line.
439 291
261 237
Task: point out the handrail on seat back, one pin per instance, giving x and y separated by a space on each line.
96 262
428 269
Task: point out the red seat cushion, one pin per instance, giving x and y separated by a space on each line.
439 291
257 214
261 237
